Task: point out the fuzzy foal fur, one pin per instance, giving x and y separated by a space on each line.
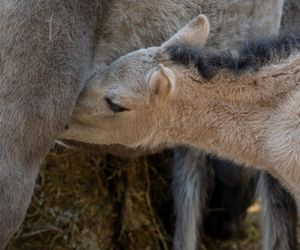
251 117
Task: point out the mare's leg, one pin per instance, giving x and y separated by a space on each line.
45 50
192 179
279 215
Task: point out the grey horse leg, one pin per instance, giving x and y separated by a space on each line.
191 181
279 215
45 49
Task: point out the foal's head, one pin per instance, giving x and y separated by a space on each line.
131 102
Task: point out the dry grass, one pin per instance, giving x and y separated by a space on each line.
86 202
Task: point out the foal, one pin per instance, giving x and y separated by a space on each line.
243 107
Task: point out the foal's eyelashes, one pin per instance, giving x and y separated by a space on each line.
116 108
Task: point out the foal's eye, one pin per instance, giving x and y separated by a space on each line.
116 108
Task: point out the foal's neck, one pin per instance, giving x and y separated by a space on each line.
228 114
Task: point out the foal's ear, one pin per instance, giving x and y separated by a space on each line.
195 33
162 82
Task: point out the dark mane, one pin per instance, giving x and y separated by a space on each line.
252 55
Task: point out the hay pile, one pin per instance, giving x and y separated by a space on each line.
85 201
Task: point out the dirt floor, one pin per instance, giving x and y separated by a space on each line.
86 202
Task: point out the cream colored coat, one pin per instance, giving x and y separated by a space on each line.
251 118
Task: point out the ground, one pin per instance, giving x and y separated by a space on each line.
84 201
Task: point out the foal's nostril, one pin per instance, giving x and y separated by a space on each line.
66 127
